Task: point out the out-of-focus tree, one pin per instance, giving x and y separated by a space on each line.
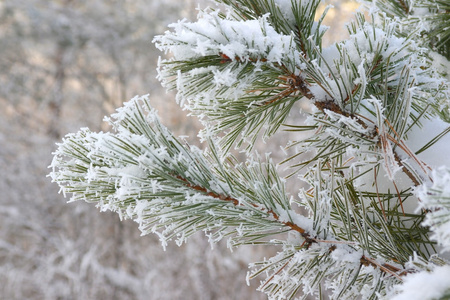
77 51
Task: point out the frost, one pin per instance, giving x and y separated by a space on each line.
350 122
227 77
234 40
436 199
390 165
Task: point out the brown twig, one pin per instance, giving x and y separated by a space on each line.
404 6
386 268
331 105
236 202
227 59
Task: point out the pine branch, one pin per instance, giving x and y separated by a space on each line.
118 183
241 74
236 202
433 24
113 171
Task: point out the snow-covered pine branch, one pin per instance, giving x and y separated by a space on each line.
143 172
374 209
429 18
224 68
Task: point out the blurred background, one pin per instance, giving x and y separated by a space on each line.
64 64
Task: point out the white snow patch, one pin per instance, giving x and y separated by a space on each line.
425 285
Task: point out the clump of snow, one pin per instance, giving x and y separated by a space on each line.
235 45
343 253
237 40
440 63
319 93
425 285
297 219
350 65
369 40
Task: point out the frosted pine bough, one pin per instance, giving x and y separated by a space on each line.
373 218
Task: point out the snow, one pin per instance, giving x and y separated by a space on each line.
425 285
236 45
365 42
238 40
440 63
345 254
420 11
419 136
320 94
291 216
435 197
285 7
